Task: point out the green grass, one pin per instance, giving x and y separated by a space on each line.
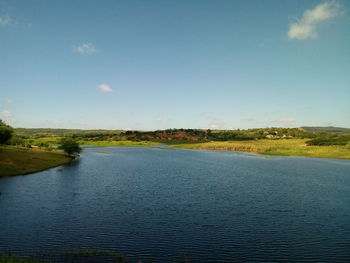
7 258
94 255
78 256
94 144
20 161
162 148
288 147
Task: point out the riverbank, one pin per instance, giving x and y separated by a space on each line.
21 161
7 258
287 147
77 256
97 144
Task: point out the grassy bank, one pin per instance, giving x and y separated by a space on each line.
19 161
76 256
90 144
287 147
5 258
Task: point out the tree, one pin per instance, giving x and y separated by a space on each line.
70 146
5 132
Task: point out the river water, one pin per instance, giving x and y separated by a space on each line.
164 205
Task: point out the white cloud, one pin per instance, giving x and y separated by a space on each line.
307 26
85 49
6 116
105 88
248 119
8 101
287 121
5 20
214 126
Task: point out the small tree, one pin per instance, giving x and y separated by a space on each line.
70 146
5 132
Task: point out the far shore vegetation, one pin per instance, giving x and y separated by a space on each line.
284 147
323 142
25 151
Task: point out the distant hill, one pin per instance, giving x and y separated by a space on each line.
62 132
329 129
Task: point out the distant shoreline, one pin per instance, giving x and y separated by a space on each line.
282 147
22 161
287 147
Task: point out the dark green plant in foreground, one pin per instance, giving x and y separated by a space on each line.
76 256
70 146
8 258
5 132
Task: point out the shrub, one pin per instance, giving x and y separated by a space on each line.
70 146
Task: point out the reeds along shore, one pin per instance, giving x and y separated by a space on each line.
283 147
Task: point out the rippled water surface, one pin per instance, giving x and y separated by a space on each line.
161 204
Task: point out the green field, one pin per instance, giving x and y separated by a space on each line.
287 147
93 144
6 258
19 161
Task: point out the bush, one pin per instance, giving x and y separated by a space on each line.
326 141
5 133
70 146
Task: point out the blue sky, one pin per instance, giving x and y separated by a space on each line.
174 64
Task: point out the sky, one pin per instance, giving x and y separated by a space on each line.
147 65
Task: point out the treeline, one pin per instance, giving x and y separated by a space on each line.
48 137
26 132
199 135
329 129
330 139
221 135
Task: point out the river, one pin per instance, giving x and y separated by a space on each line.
159 204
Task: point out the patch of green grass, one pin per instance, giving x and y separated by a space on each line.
8 258
286 147
162 148
20 161
78 256
94 255
94 144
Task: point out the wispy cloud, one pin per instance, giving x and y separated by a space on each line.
85 49
8 101
217 124
306 27
5 20
6 115
248 119
287 121
105 88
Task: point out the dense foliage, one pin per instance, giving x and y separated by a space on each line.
329 140
5 132
329 129
48 138
70 146
217 135
62 132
